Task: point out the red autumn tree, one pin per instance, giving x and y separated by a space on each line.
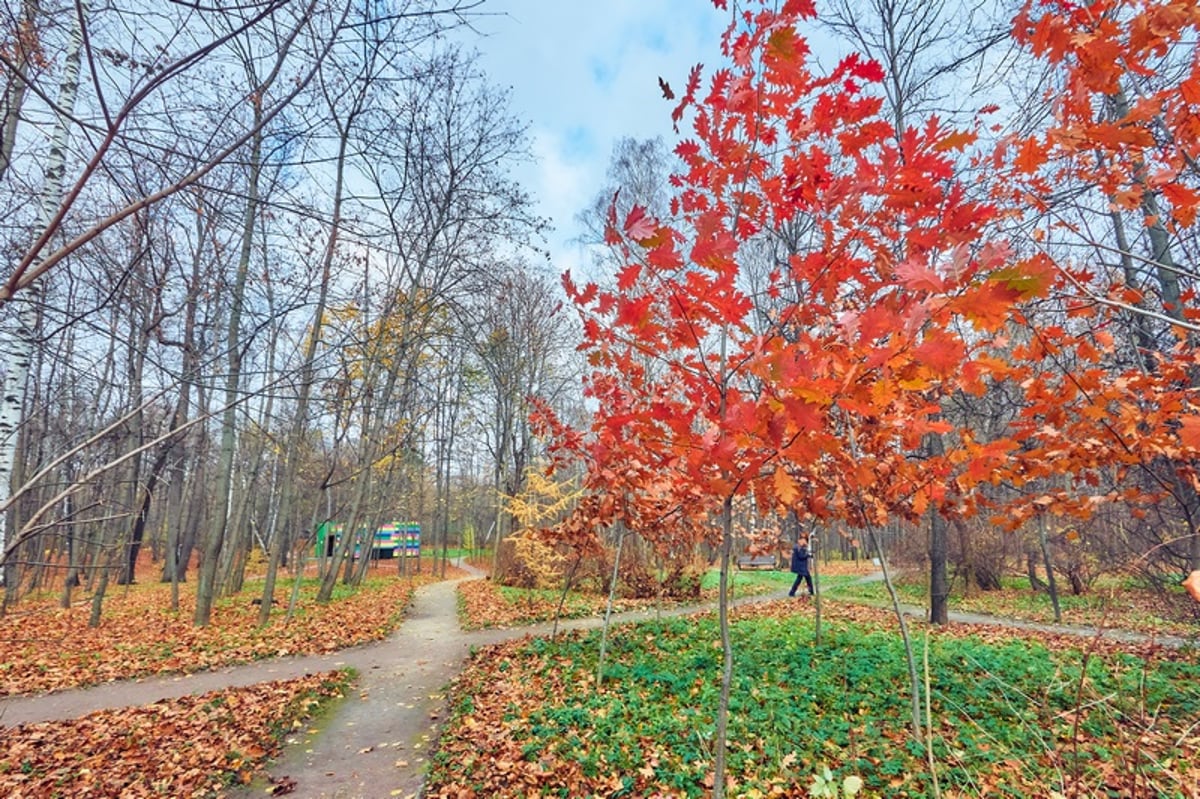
878 310
1106 195
889 290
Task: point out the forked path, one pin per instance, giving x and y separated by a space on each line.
374 744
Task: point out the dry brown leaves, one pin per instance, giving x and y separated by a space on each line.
846 568
483 741
187 747
483 606
44 648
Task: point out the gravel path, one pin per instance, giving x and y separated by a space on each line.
373 744
986 620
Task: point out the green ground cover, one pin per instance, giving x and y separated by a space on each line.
1112 602
1011 716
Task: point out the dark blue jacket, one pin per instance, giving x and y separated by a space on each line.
799 559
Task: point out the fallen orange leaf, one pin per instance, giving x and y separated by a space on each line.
1192 584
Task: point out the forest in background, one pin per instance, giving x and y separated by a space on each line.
268 270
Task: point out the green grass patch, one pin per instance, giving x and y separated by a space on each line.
1112 602
756 581
1011 716
753 582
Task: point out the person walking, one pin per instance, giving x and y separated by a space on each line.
800 565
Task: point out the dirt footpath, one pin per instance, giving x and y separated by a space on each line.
372 744
376 743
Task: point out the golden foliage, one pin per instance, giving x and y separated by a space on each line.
543 563
544 500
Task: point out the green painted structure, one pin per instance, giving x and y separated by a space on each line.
392 540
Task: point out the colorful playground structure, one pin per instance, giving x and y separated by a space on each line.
392 540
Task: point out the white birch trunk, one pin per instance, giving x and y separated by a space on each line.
17 342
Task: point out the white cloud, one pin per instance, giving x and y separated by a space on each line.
563 185
584 74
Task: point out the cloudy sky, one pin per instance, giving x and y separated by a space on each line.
584 74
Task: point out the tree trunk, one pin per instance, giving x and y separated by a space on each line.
612 592
193 521
139 523
98 598
206 584
939 589
1167 274
294 597
568 581
914 680
498 490
814 548
14 100
1143 342
345 544
135 357
240 540
1053 584
107 554
72 578
179 544
374 422
1035 582
234 570
17 344
722 732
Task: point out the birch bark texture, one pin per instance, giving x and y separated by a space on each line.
19 337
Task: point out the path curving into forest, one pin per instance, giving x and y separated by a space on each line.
988 620
375 743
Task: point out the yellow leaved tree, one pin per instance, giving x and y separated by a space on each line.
529 557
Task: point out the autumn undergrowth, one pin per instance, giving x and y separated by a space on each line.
44 648
194 746
484 604
1012 716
